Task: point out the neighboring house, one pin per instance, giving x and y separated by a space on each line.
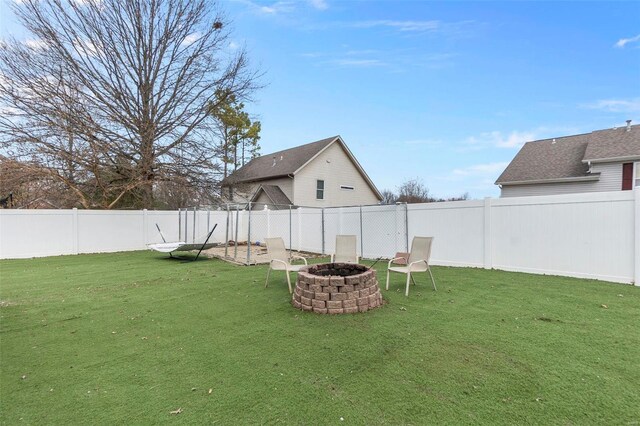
319 174
603 160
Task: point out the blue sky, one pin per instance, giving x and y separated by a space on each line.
443 91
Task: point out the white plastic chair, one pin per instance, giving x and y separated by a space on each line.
418 261
279 260
346 249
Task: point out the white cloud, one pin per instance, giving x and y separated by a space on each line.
615 105
624 41
233 45
190 39
486 169
276 8
514 139
461 28
313 55
85 47
415 26
37 44
364 63
319 4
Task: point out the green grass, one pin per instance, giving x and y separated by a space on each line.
128 337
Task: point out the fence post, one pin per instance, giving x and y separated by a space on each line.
406 227
193 238
323 231
249 235
145 231
488 261
299 228
226 235
186 224
179 224
267 212
361 234
290 233
636 193
235 242
74 227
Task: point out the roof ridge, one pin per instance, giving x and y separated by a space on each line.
301 146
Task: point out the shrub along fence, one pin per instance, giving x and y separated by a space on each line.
594 235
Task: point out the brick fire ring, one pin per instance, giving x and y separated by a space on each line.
336 288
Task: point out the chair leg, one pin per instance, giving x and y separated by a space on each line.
432 280
387 287
288 281
412 280
266 283
406 293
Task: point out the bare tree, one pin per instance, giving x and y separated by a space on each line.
111 97
413 191
389 197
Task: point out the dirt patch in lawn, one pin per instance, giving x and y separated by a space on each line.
258 255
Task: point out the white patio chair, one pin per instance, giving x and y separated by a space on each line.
346 249
418 261
279 259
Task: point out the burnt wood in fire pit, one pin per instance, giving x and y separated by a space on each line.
336 288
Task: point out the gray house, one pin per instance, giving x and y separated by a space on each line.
603 160
319 174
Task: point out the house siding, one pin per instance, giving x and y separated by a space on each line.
340 170
259 203
248 189
610 180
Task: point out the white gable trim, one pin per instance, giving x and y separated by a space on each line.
613 159
353 160
591 177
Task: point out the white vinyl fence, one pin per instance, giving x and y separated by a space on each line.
593 235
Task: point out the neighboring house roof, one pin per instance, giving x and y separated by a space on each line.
567 158
614 144
277 164
273 193
289 162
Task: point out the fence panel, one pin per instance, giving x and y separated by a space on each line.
594 235
104 231
279 226
167 220
384 231
457 228
37 233
584 235
310 229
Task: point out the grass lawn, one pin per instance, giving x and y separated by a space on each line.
129 337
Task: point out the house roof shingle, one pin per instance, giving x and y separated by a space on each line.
567 157
281 163
613 143
275 194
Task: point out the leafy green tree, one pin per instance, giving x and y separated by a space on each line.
239 134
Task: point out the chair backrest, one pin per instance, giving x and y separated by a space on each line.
346 249
420 249
276 249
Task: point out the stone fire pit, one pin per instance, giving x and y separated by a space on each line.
336 288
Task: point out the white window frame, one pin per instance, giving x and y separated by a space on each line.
318 189
636 175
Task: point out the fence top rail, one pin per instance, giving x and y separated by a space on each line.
246 205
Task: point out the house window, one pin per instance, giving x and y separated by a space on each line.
637 183
627 176
320 190
347 187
